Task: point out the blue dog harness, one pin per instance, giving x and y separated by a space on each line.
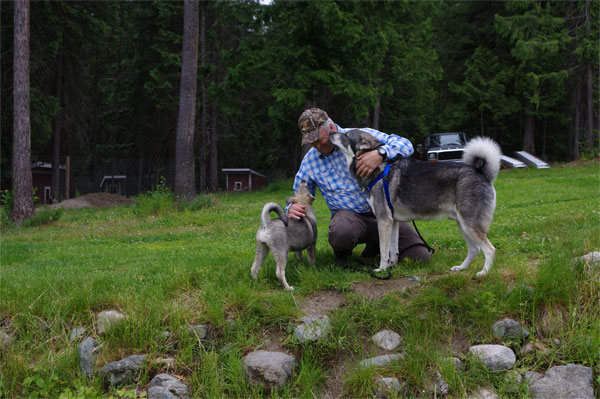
386 185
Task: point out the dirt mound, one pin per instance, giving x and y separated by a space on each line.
94 200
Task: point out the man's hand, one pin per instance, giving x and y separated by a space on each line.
368 162
296 211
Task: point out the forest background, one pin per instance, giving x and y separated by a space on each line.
105 79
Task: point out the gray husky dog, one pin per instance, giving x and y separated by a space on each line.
281 235
418 190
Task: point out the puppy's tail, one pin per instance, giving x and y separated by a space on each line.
484 155
272 206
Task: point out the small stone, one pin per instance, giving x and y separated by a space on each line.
124 371
495 357
438 386
381 360
509 328
483 393
5 340
87 356
532 347
270 369
387 386
165 386
513 380
108 319
199 330
76 333
314 328
387 339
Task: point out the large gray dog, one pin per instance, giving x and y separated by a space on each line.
420 190
281 234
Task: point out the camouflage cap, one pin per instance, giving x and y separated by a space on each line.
309 123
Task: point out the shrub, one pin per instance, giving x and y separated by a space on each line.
44 216
157 202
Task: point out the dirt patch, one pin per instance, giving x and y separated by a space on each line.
373 290
94 200
322 302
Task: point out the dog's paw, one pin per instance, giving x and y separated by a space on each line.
481 273
290 288
456 268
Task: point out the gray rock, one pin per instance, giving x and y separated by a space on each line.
457 362
199 330
532 376
565 382
495 357
5 340
483 393
387 339
593 258
381 360
509 328
513 381
314 328
87 356
123 371
107 319
165 386
387 386
270 369
76 333
533 347
438 386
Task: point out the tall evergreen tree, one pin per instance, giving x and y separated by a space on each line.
21 153
185 188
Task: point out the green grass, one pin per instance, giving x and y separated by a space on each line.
166 269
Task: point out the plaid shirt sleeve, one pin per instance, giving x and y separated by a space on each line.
330 173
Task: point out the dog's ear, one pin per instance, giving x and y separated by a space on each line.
367 142
291 200
310 199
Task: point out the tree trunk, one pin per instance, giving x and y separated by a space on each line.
214 173
376 113
589 85
203 132
58 128
184 145
529 135
576 123
21 152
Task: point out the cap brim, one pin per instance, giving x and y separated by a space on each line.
310 137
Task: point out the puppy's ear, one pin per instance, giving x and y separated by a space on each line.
365 143
310 199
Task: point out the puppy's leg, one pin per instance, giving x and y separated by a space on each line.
299 257
488 251
472 246
394 243
262 250
281 260
311 254
384 228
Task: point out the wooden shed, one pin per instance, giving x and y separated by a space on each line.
243 179
41 175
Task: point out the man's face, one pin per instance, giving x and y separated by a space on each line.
322 144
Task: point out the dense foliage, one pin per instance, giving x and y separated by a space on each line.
105 77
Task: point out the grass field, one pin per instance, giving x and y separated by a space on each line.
170 269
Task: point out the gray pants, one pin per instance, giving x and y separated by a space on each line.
347 229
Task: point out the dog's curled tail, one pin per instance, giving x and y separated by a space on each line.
483 154
272 206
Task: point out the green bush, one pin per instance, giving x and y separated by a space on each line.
44 216
158 202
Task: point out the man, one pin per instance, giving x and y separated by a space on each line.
352 220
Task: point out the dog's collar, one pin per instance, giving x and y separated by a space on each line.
386 186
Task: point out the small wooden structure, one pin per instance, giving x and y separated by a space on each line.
41 176
243 179
113 184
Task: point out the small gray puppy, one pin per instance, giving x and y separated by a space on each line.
281 234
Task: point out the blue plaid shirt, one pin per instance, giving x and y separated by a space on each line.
330 173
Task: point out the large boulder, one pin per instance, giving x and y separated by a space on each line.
270 369
564 382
